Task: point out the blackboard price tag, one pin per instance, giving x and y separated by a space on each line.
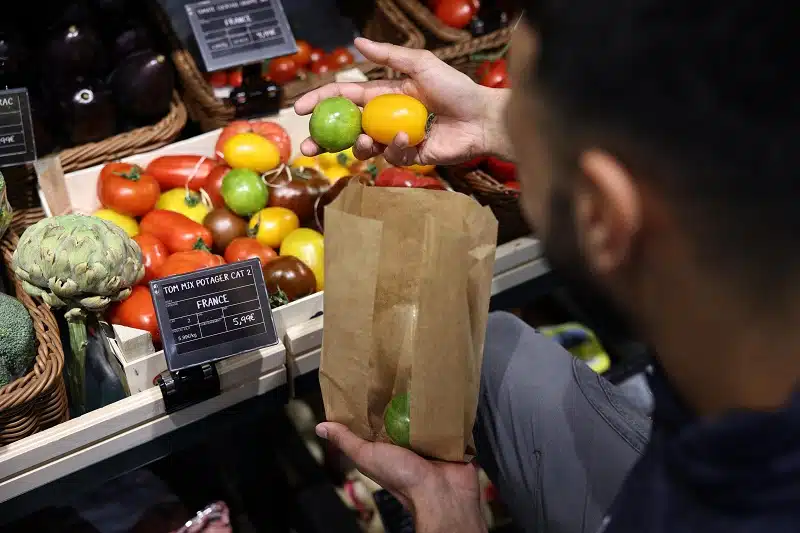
17 144
214 313
230 33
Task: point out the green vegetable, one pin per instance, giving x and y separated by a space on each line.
335 124
82 264
17 340
5 207
396 420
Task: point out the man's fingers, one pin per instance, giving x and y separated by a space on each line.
351 91
406 60
399 153
355 448
359 93
310 148
365 147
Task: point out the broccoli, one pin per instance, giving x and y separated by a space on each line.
17 340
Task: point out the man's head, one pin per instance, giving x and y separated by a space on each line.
655 139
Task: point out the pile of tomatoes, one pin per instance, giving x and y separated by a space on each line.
189 212
288 68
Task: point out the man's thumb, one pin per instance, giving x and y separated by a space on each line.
339 436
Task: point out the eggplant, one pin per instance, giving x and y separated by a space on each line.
109 11
87 112
130 40
13 61
72 52
142 85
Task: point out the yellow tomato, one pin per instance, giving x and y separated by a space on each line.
128 224
309 247
303 161
252 151
422 169
272 224
336 173
388 114
339 159
185 202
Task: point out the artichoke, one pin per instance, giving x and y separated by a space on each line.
80 263
5 207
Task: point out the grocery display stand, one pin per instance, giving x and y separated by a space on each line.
136 431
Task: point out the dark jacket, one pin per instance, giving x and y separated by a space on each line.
739 473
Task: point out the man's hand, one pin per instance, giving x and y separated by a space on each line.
468 116
441 496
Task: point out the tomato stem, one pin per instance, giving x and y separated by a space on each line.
134 174
191 199
201 245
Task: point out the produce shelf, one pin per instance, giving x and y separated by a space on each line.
121 427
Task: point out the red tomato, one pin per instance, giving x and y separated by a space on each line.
494 74
433 4
275 133
154 254
137 311
178 232
234 128
214 184
321 67
455 13
235 78
127 189
269 130
243 248
514 185
173 171
185 262
502 170
316 55
302 57
401 177
341 57
218 78
282 70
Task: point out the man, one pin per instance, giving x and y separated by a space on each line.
655 145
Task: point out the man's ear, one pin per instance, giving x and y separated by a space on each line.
607 211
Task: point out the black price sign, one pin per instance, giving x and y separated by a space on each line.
17 144
214 313
230 33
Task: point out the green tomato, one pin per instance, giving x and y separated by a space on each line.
335 124
397 420
244 191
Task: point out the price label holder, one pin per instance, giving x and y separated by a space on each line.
231 33
204 317
17 145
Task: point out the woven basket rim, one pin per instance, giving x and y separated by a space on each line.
128 143
426 18
46 374
201 99
490 41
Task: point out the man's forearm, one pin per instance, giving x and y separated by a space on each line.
495 137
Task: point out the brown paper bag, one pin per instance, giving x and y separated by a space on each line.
408 279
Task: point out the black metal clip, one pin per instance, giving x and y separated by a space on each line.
189 386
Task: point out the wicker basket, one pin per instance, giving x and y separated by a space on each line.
428 20
388 24
38 400
462 55
503 202
128 143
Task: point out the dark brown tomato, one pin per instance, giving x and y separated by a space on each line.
225 226
298 191
332 193
291 276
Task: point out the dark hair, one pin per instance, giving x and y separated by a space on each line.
700 97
